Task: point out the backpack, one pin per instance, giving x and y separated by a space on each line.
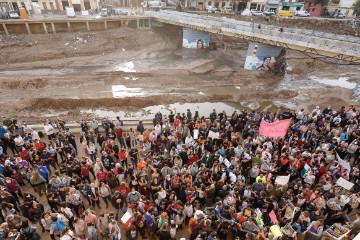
28 234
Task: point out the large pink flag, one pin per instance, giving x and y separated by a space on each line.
275 129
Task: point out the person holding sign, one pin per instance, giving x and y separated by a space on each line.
315 230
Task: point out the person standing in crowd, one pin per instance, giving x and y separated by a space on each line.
232 183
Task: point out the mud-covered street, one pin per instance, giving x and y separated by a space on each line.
127 71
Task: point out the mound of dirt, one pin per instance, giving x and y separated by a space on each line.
21 48
31 84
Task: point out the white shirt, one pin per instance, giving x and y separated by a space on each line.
49 129
35 135
19 141
158 130
67 212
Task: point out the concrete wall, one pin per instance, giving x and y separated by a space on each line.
69 25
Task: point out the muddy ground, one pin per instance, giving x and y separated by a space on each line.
52 75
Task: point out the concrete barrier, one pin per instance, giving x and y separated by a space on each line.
69 25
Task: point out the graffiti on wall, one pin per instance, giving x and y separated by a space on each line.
261 57
195 39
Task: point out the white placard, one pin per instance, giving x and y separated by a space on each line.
282 180
344 183
213 135
343 163
196 133
126 217
307 167
258 212
226 162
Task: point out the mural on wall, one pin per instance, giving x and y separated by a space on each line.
261 57
195 39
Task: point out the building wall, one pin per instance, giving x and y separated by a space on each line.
314 9
216 3
345 6
256 5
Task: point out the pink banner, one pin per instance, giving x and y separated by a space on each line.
273 218
275 129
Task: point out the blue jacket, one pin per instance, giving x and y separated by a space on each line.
43 171
2 132
344 136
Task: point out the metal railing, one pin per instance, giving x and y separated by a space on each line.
307 38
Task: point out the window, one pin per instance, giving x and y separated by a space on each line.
253 6
309 4
223 4
209 3
313 9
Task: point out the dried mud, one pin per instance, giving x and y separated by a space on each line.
44 76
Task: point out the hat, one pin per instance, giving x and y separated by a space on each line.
116 193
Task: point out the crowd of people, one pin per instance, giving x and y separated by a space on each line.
186 177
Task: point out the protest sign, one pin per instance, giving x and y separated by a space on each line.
336 231
275 229
307 167
275 129
126 220
343 163
259 221
213 135
196 133
344 183
273 218
282 180
258 212
288 230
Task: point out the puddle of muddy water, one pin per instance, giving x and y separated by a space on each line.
125 67
121 91
291 83
340 82
104 91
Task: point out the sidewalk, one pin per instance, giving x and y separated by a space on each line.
60 16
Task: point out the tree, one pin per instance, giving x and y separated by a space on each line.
357 8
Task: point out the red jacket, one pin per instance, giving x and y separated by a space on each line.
40 146
13 186
24 154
